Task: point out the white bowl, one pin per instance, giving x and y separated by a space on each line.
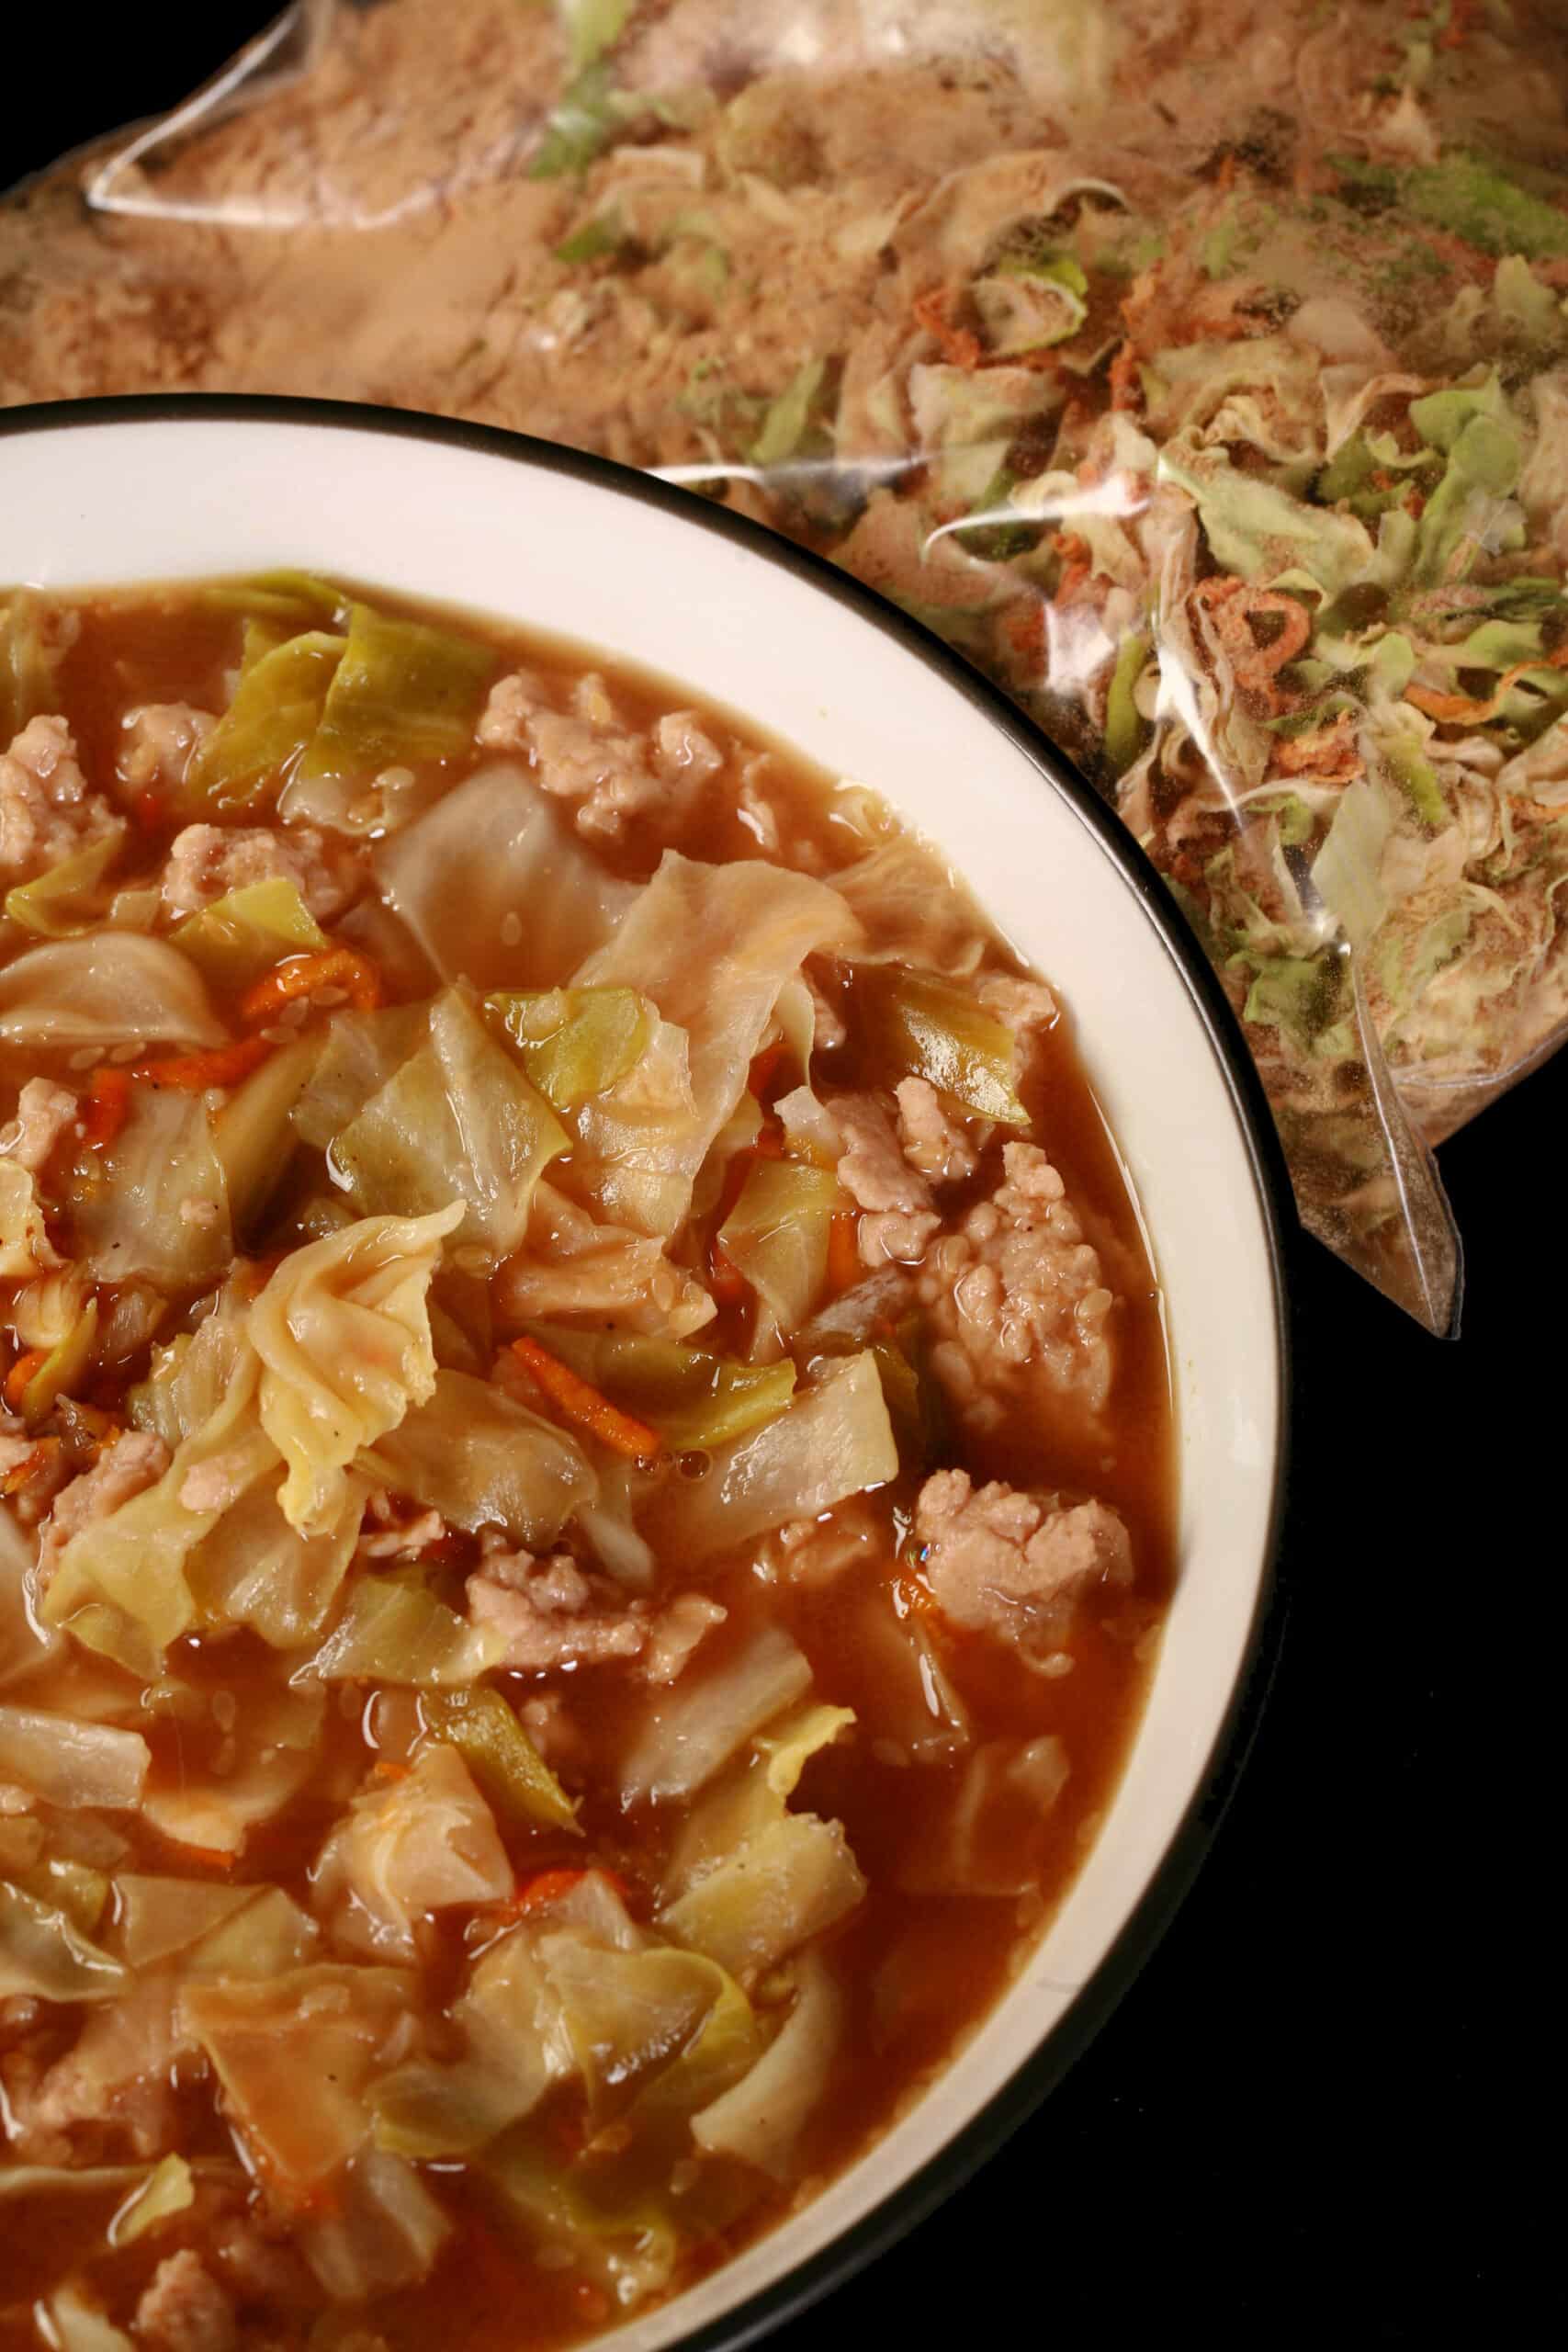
125 490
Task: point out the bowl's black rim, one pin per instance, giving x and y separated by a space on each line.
788 2297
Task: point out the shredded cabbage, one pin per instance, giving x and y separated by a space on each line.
401 693
113 989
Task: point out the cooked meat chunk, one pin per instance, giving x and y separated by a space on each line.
184 2308
815 1552
1024 1005
897 1217
586 756
1001 1562
940 1148
205 862
159 737
1016 1294
133 1461
675 1634
550 1614
47 813
44 1112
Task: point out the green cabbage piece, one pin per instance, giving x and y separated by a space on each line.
496 886
155 1203
275 714
762 2119
580 125
1298 995
65 902
343 1334
255 1569
425 1841
254 1134
31 646
362 1051
457 1118
384 2231
44 1957
64 1369
1345 872
1483 466
916 1025
776 1236
835 1441
482 1459
688 1735
1028 303
592 27
239 936
1257 530
68 1764
576 1042
513 2048
394 1630
402 693
694 1399
1474 199
1127 731
503 1759
789 418
296 2055
626 2243
113 988
793 1879
605 233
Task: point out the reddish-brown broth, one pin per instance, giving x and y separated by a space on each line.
920 1970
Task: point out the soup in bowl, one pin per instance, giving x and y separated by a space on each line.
636 1493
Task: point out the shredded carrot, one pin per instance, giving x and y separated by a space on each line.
541 1888
384 1768
105 1108
21 1372
844 1267
194 1073
958 344
1466 710
1231 607
577 1401
302 974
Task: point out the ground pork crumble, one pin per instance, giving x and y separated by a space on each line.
1005 1563
205 862
586 756
551 1613
1017 1294
47 813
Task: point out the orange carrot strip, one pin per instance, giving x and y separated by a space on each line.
577 1401
21 1372
194 1073
107 1103
958 344
302 974
546 1886
844 1267
16 1478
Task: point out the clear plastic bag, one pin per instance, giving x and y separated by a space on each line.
1199 370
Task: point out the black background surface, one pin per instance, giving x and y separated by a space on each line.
1300 2123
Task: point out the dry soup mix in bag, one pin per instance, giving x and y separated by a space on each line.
1199 371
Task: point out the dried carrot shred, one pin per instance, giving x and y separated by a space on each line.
194 1073
302 974
577 1400
1126 384
961 347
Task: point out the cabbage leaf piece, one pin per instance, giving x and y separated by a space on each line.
155 1202
762 2118
836 1440
401 693
712 945
576 1042
482 1459
296 2055
496 886
394 1630
790 1881
776 1236
457 1118
343 1333
76 2322
385 2230
68 1763
44 1956
120 1583
66 899
627 2245
255 1569
501 1756
690 1733
515 2048
361 1053
915 1025
254 1134
692 1398
420 1843
274 713
244 933
111 988
570 1263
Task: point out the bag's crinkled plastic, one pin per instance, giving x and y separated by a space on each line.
1200 370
